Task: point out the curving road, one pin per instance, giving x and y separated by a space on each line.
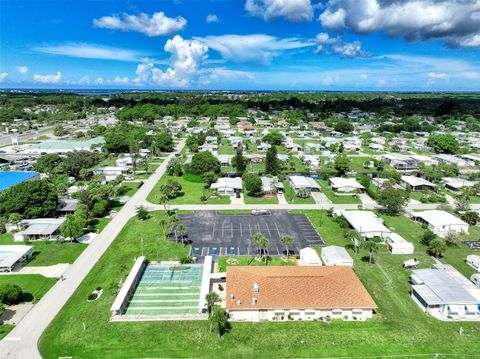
21 342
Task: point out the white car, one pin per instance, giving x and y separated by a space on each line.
259 212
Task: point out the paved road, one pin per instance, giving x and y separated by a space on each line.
21 342
337 207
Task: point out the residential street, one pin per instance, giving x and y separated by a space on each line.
21 342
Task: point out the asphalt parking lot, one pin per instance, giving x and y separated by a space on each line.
211 233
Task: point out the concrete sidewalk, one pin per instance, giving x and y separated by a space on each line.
22 341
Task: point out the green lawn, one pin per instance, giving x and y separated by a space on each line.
251 261
5 329
292 198
128 188
332 196
399 328
190 194
259 200
34 286
49 252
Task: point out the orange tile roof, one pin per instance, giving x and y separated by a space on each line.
282 287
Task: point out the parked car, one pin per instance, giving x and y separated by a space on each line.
259 212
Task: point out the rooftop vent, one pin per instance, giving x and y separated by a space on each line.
256 289
239 301
254 301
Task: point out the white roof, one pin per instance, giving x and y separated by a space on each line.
416 181
10 254
303 182
437 217
365 222
335 254
340 182
227 182
398 241
41 226
457 182
309 256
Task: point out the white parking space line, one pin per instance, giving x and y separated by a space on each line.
278 231
231 229
241 231
268 229
213 230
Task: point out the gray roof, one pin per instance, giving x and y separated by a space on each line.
41 226
67 205
11 254
445 285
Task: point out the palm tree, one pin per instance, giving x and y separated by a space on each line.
212 298
261 242
372 248
437 247
164 224
287 240
181 230
163 199
218 320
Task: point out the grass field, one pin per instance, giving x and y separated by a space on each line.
251 261
190 194
34 286
332 196
49 252
292 198
5 329
259 200
399 329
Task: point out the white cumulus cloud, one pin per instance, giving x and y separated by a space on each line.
48 79
118 80
211 19
3 76
339 46
22 69
292 10
251 48
456 22
186 57
156 25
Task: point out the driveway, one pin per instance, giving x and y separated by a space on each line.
54 271
320 198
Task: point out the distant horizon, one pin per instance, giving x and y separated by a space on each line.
242 45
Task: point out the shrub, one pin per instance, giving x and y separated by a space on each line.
10 294
92 296
186 260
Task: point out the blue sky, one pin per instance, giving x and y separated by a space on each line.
241 44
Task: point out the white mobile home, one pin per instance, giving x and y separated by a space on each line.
441 222
309 257
336 256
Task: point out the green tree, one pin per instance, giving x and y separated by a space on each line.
49 163
30 199
240 161
165 224
471 217
287 241
171 189
343 126
272 165
372 247
437 247
58 130
428 237
211 298
75 224
163 142
273 138
218 320
261 242
76 161
142 213
204 162
253 184
443 143
10 293
393 200
342 164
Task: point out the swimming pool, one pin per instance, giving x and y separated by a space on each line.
168 290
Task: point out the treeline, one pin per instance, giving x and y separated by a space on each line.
150 105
